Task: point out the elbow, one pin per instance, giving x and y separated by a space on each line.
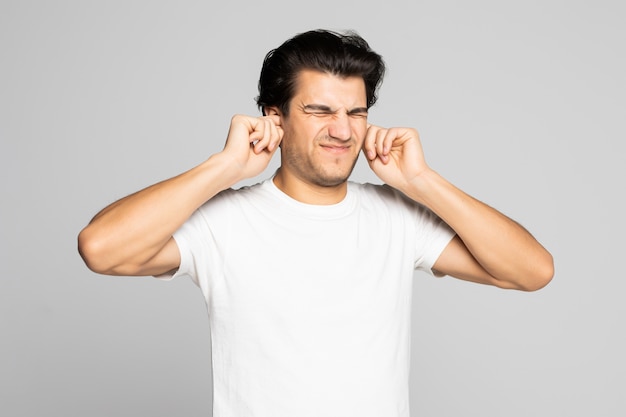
534 278
103 256
543 274
93 253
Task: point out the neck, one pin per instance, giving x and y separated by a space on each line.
309 193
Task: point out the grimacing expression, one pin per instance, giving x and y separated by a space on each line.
325 128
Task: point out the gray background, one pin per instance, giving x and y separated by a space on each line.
521 104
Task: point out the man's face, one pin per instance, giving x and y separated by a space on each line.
325 129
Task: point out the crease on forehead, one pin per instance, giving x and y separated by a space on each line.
317 89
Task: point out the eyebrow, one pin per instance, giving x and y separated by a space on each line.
327 109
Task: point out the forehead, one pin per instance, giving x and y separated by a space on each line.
316 87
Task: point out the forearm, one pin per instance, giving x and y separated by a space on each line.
134 229
501 246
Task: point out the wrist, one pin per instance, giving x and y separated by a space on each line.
423 186
219 171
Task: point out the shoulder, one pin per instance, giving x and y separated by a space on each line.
380 192
384 198
367 188
234 200
235 194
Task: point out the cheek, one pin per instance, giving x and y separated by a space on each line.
295 139
360 130
306 133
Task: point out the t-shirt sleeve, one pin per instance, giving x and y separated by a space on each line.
194 241
433 235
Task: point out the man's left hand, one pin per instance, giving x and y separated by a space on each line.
395 155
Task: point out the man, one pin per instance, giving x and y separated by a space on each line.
307 276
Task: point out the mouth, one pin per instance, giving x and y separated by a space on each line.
335 148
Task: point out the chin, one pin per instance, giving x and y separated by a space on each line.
332 180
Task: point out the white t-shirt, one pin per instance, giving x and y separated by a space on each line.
309 306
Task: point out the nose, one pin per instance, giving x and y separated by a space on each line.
339 127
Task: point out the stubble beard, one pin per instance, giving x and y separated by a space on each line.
307 169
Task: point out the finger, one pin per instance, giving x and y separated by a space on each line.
265 131
270 135
369 144
276 137
274 130
273 135
255 132
390 137
275 118
242 127
380 142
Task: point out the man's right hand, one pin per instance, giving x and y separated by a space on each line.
251 143
133 236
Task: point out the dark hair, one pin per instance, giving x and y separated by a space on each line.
322 50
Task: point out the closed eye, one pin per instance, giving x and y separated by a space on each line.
358 114
317 109
323 110
320 113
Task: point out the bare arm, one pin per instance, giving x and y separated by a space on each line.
133 236
509 256
489 248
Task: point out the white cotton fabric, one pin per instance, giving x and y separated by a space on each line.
309 306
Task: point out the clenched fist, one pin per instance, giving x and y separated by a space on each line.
251 142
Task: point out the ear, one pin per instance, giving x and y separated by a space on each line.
272 111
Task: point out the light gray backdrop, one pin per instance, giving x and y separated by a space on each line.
520 103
